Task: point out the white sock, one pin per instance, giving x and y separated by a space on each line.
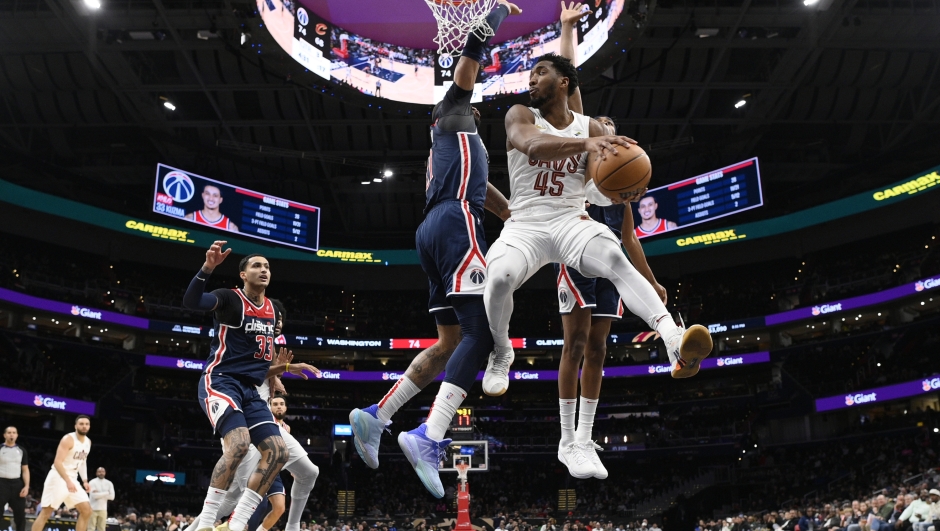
566 409
397 396
445 407
210 508
586 409
249 501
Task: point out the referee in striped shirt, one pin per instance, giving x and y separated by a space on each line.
14 477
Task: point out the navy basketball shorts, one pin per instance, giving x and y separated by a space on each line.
277 487
451 247
598 294
230 404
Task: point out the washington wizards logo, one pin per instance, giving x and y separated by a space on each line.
477 276
215 408
563 296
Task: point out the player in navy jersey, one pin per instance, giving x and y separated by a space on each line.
240 359
451 248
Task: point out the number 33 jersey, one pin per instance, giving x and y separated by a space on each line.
555 183
243 342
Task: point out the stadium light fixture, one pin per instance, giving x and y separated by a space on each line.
169 105
365 182
739 104
377 180
93 4
808 3
388 173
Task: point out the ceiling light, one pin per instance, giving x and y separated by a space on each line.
388 173
93 4
169 105
809 2
377 180
739 104
365 182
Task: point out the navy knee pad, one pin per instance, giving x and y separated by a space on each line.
475 345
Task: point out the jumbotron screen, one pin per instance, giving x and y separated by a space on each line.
422 75
210 203
702 198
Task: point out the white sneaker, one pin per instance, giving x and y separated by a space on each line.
687 351
579 465
496 377
590 450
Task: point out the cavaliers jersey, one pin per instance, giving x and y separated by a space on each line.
457 170
77 456
221 223
556 183
243 346
660 227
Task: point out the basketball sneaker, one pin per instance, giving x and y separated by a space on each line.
590 450
496 377
367 433
573 456
686 351
424 454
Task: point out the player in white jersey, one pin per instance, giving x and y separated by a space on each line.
61 483
547 145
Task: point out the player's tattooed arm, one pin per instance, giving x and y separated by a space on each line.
496 202
236 444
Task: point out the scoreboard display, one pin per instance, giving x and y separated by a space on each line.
462 421
197 199
702 198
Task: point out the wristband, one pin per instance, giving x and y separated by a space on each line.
287 368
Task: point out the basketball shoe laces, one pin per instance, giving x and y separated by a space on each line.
501 361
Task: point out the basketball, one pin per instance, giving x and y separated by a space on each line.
628 171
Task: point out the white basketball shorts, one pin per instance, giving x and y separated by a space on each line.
55 492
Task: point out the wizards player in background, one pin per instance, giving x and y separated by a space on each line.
239 361
452 249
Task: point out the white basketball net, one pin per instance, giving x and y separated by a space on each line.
456 19
462 469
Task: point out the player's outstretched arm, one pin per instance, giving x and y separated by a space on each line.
195 297
635 251
496 202
570 15
521 134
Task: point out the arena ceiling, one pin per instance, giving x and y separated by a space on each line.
840 97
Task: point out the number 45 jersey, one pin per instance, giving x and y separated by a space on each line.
243 346
555 183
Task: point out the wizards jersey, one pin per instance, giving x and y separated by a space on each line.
457 170
243 346
223 222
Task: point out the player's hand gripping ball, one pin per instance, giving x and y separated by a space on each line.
623 174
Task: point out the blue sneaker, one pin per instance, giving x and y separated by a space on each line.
367 431
424 454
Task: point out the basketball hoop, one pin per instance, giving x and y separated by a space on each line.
458 18
462 469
